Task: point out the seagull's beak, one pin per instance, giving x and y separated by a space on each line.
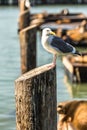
52 33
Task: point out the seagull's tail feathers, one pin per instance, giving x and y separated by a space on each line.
78 53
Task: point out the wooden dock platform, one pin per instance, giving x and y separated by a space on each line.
76 68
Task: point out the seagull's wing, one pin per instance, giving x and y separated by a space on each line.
60 45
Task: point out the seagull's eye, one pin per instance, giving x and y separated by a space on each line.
48 30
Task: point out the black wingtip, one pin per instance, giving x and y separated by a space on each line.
78 53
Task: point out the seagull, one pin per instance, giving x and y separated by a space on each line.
56 45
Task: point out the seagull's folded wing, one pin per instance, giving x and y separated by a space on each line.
60 45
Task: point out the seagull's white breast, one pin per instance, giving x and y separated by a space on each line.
47 46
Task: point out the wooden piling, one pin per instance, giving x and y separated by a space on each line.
28 48
36 103
24 15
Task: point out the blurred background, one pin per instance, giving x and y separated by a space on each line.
39 2
10 56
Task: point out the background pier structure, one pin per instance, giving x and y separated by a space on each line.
41 2
8 2
27 36
24 15
36 103
28 48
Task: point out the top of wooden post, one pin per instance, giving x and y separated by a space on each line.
24 4
34 72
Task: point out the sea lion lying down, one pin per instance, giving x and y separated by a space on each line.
72 115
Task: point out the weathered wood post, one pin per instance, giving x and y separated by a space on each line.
28 48
36 103
24 15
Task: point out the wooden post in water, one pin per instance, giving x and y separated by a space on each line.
24 17
28 48
36 103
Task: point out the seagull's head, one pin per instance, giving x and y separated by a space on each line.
47 32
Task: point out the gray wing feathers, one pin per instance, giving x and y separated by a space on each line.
60 45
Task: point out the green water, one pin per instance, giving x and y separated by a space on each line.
10 63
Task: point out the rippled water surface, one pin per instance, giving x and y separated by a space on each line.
10 63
